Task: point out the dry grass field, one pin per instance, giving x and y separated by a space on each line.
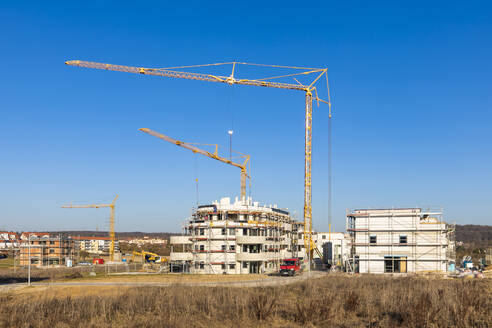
330 301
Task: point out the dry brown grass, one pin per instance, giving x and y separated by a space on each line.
331 301
43 292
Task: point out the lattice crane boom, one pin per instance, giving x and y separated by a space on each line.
189 75
309 89
111 220
214 155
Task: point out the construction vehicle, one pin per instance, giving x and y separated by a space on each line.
290 267
97 261
148 257
311 93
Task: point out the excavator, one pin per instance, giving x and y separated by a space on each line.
148 257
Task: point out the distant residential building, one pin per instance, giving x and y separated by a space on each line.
45 250
9 240
145 240
400 240
34 235
94 245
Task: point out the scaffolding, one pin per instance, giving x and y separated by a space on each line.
237 238
43 252
403 239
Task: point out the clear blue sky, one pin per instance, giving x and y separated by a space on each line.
411 87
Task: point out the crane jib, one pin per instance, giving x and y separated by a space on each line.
185 75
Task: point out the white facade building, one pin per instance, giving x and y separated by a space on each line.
334 246
400 240
236 238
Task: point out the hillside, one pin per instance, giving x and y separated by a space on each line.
479 235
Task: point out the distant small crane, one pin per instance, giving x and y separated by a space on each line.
214 155
111 221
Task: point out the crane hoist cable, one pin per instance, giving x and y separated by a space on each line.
230 109
330 169
250 175
330 160
196 179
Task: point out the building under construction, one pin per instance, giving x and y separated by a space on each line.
400 240
43 250
236 238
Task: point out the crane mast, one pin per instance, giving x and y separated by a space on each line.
309 90
111 221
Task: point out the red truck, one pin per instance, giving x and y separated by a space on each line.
98 261
290 267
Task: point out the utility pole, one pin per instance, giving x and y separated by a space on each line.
29 258
13 253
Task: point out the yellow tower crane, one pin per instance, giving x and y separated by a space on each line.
111 221
214 155
309 90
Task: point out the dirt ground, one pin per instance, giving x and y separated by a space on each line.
168 278
115 285
51 289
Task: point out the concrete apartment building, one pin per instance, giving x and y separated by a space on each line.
400 240
236 238
45 250
94 245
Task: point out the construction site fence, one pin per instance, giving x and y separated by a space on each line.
113 268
